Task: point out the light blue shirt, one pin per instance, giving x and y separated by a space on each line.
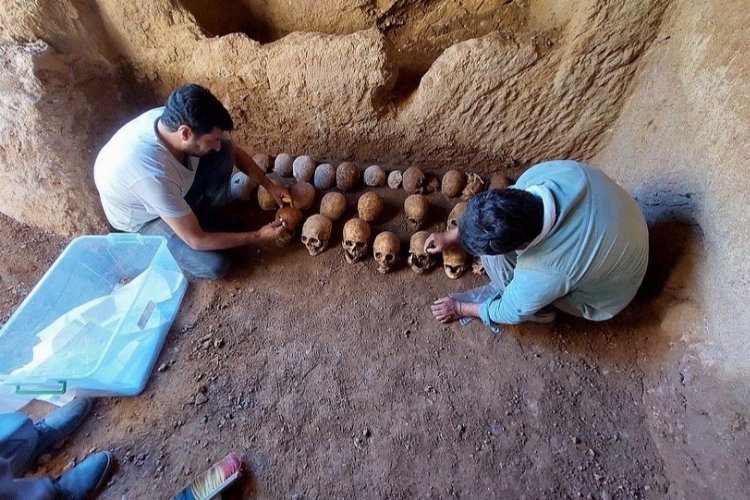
594 257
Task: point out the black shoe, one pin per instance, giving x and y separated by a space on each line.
61 422
85 478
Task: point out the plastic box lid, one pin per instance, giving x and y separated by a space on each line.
97 319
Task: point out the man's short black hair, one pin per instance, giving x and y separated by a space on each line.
196 107
500 221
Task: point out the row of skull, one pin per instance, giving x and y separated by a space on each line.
346 177
386 247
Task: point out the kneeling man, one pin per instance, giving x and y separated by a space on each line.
565 237
167 172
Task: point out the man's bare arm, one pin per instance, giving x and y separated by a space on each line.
190 231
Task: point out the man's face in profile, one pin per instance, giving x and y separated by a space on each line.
204 144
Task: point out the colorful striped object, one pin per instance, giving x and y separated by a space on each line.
210 483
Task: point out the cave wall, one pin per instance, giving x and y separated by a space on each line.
658 100
60 88
519 87
682 144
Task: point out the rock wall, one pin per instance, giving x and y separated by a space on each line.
529 87
439 84
51 52
682 143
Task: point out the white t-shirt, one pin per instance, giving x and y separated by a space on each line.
138 178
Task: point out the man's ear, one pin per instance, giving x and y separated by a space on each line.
185 132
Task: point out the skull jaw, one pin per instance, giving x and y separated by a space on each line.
454 272
353 256
385 266
420 264
284 239
317 249
382 269
414 224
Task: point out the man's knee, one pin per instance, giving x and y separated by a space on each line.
209 266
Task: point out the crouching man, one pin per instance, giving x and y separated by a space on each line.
565 237
167 172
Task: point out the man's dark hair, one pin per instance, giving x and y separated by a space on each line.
196 107
500 221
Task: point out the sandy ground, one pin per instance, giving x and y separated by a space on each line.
334 381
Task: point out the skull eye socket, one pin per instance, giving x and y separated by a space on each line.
304 239
378 255
453 269
359 244
389 257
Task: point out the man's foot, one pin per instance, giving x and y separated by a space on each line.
61 422
85 478
544 316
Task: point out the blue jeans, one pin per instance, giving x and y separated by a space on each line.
18 440
206 196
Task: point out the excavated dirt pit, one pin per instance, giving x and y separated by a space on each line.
331 379
334 381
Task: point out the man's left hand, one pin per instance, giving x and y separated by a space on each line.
279 193
445 310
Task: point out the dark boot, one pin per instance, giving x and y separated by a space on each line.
61 422
84 479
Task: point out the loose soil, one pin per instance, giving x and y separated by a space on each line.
334 381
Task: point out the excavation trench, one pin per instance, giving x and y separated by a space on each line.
330 378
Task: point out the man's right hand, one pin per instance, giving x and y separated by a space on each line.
270 231
436 243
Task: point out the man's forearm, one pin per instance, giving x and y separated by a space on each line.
468 309
221 241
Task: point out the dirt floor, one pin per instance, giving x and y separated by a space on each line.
333 380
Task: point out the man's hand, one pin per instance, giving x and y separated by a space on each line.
436 243
270 231
279 193
446 310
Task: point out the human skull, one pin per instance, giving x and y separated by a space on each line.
455 215
316 232
477 267
432 184
499 181
291 218
303 195
454 261
416 207
419 260
333 206
394 179
374 176
241 187
385 249
325 176
474 185
263 161
370 206
265 200
283 165
356 238
453 183
303 168
414 180
347 176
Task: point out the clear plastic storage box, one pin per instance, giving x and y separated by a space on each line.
97 319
